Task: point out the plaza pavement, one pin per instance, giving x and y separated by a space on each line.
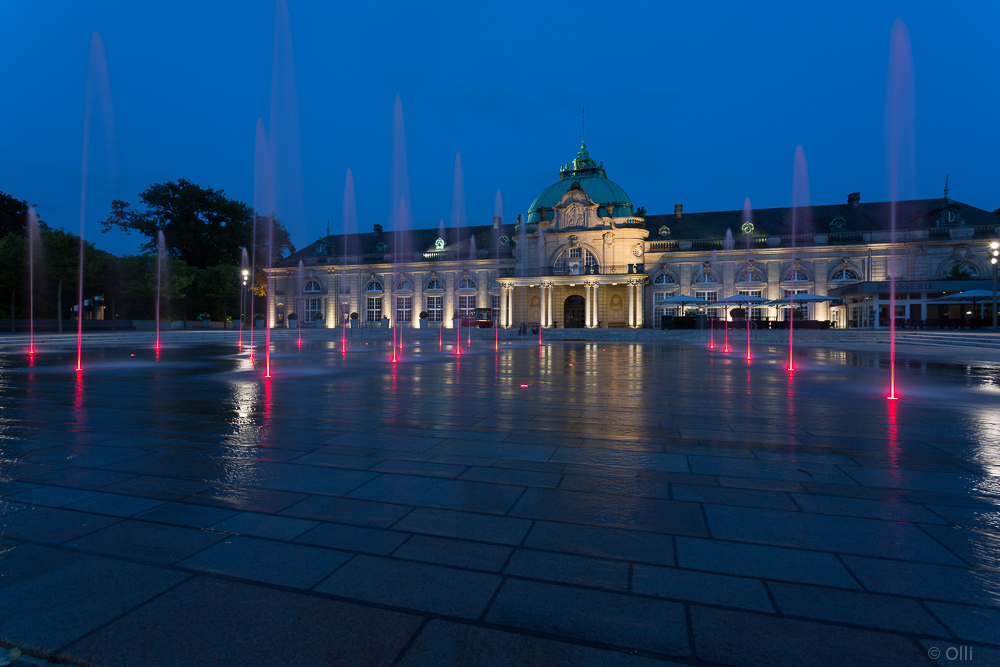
633 504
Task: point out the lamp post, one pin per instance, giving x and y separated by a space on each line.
243 299
994 254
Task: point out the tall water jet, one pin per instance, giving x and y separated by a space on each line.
349 222
399 221
33 246
458 222
728 244
161 251
99 88
244 274
748 232
263 196
298 301
497 219
800 202
900 163
283 128
541 277
711 320
260 179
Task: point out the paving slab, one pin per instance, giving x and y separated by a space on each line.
457 553
287 628
467 525
447 644
153 543
649 514
608 618
429 588
741 638
690 586
269 561
51 597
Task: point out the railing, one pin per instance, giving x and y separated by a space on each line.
388 257
622 270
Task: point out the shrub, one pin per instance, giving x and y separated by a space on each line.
204 316
423 314
354 316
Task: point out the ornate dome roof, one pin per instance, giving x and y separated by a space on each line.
592 180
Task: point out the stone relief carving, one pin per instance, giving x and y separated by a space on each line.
609 238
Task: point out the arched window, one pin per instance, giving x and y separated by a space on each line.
665 279
962 271
374 286
312 286
845 273
569 262
797 275
434 285
467 283
750 275
705 277
404 285
495 285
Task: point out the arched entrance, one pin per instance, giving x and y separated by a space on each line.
573 311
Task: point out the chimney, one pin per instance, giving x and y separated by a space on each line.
678 209
378 229
496 221
854 199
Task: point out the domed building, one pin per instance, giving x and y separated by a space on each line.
584 256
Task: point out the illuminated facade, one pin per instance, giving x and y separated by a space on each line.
583 256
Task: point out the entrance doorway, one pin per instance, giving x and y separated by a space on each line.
573 312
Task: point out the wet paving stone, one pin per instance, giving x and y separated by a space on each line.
651 504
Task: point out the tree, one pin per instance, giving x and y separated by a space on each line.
201 226
14 216
13 256
131 285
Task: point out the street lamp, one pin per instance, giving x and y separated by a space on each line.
243 299
994 254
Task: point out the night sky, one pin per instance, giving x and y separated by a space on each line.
694 103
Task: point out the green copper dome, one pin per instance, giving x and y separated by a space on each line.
592 180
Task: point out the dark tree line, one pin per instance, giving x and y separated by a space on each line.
205 233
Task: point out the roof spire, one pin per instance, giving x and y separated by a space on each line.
946 188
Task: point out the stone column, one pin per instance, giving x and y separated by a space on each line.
449 305
541 305
586 305
551 297
389 294
595 318
640 310
418 300
630 319
503 308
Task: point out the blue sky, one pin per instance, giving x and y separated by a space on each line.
694 103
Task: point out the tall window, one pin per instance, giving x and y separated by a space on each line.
313 308
806 307
435 308
312 286
755 312
663 310
495 308
374 310
404 308
467 306
711 297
